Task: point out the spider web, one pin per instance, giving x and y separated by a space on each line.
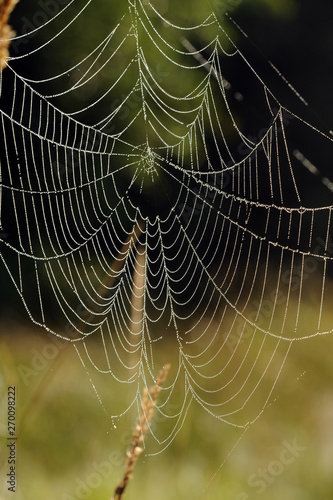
138 214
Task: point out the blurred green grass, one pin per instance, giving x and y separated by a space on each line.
67 447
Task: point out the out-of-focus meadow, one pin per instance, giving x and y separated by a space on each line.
67 447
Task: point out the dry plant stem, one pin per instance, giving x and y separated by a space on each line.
148 404
117 265
137 299
6 33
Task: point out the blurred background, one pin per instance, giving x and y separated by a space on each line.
67 445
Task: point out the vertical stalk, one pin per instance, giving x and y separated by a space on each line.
6 33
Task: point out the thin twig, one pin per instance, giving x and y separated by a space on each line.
6 33
138 291
116 266
148 405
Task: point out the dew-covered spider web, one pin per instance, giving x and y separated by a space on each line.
153 210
